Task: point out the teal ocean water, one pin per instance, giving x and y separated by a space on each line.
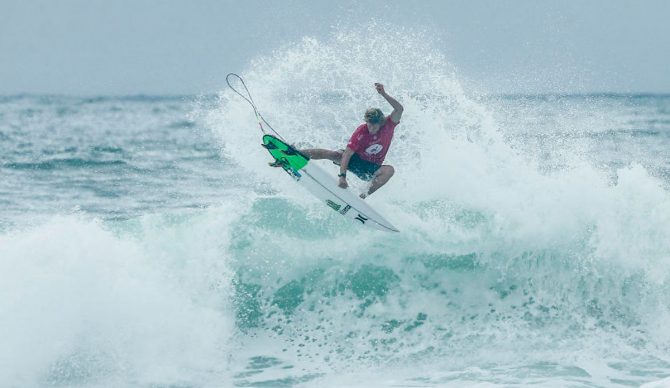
144 241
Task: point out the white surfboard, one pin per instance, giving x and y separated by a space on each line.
324 185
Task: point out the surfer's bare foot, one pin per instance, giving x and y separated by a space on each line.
276 163
363 195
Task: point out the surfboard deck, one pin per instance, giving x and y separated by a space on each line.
323 185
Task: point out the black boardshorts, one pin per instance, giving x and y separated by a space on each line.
362 168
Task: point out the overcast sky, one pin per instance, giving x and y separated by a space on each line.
90 47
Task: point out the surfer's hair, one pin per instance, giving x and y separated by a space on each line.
374 116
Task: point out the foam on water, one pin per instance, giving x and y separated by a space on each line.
84 304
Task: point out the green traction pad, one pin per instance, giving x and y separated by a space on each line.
287 156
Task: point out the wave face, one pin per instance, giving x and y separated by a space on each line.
534 245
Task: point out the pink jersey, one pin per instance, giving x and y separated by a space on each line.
372 148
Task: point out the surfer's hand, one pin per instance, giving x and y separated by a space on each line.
380 88
343 182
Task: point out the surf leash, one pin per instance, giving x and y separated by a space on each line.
250 100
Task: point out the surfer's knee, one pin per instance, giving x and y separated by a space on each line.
388 170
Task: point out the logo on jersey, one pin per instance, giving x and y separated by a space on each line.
374 149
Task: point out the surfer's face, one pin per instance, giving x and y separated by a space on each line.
374 128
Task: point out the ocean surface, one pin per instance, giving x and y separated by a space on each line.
144 241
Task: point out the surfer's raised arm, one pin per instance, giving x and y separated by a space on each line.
397 108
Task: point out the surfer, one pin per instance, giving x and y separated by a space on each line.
367 147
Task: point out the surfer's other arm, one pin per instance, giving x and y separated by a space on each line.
344 164
397 107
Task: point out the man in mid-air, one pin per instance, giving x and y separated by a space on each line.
367 147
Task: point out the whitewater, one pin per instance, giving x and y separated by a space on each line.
145 242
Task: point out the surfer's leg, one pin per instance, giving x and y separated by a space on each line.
318 153
380 178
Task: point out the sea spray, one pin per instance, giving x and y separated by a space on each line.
498 255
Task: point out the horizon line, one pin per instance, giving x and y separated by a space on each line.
176 96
